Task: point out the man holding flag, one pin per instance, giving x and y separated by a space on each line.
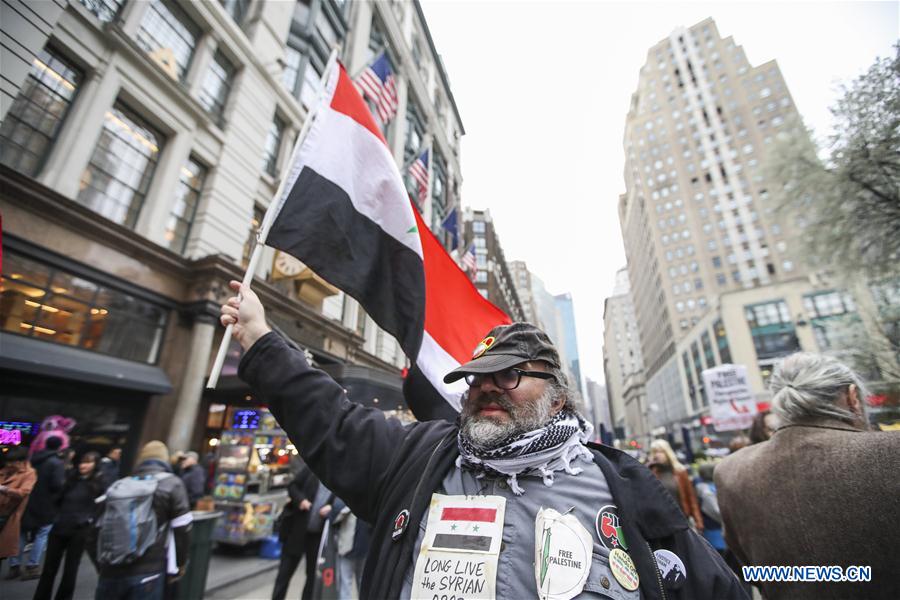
498 495
517 450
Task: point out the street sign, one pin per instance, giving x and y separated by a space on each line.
732 404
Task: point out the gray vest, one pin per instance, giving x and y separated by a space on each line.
585 494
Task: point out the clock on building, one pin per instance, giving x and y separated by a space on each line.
287 265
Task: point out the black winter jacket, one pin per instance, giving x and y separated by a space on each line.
194 478
51 477
77 506
170 502
381 467
294 522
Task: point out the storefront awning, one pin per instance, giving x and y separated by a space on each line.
47 359
370 387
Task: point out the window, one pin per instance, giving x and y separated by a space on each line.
36 115
722 342
116 180
478 226
216 87
828 304
312 81
50 303
291 74
415 131
273 146
169 36
690 379
105 10
187 197
236 8
481 277
772 329
720 279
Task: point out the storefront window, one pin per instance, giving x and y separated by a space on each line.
41 301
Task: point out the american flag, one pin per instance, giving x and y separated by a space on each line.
377 82
468 260
419 172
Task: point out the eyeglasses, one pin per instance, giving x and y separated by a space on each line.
507 379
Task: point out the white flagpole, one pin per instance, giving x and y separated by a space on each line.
271 214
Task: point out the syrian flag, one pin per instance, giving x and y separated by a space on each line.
346 214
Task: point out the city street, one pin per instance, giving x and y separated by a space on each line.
230 578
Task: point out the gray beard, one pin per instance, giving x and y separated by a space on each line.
486 432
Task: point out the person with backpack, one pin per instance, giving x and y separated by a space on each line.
143 516
77 512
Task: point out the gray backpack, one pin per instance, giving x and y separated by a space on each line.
128 526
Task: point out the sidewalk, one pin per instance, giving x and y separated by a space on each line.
225 570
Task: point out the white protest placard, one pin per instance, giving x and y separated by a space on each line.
731 402
459 554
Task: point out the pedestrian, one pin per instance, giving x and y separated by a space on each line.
508 501
822 491
737 442
38 518
110 465
310 503
77 514
763 426
709 507
17 480
674 477
193 476
353 547
139 562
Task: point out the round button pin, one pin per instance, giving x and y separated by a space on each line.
623 569
671 569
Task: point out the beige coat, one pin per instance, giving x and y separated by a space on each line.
19 479
823 494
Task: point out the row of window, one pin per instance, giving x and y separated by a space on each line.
49 303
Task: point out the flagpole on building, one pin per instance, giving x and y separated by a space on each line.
271 214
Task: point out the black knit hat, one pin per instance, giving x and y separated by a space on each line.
507 346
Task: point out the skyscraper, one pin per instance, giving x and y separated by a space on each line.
694 217
568 344
621 350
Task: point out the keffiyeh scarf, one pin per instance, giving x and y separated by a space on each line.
542 451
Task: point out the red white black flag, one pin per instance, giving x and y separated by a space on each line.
346 214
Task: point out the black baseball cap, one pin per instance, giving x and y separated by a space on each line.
507 346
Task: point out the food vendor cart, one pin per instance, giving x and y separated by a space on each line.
252 475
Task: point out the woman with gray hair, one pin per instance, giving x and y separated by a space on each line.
821 491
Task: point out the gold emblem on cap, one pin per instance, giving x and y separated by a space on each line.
483 346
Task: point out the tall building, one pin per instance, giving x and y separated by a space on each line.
493 278
141 143
694 216
598 402
711 273
522 279
568 343
621 352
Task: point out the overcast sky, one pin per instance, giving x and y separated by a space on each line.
543 89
